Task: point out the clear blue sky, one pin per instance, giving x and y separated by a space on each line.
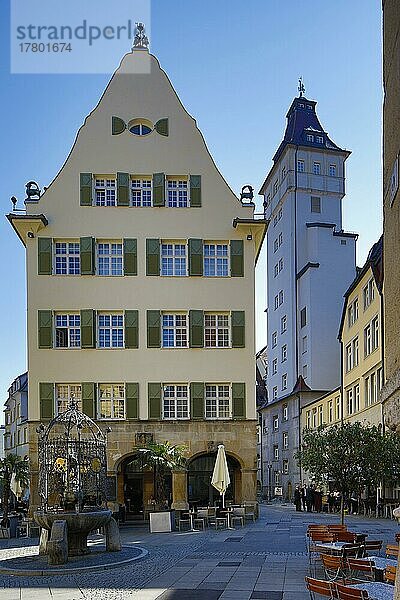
235 66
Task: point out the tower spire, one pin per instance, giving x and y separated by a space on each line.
301 87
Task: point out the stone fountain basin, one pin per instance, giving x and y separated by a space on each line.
79 526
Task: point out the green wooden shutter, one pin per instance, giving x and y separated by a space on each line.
195 191
87 255
237 263
154 398
86 189
132 400
238 328
152 257
196 400
89 399
88 328
162 127
195 256
196 328
45 329
131 329
117 125
158 189
45 258
46 400
122 189
239 400
130 257
153 329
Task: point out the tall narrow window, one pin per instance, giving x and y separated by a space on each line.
68 331
368 293
216 260
283 324
284 353
109 258
285 440
141 192
274 366
274 392
177 193
315 204
111 401
110 330
217 401
173 260
174 331
300 166
67 258
175 402
274 339
284 381
332 170
303 317
105 192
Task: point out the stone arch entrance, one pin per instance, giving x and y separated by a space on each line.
136 486
200 490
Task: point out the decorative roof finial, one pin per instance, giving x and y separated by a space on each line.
140 40
301 87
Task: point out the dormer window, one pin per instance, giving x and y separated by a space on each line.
309 107
310 138
301 105
319 139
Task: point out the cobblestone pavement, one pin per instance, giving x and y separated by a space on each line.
266 560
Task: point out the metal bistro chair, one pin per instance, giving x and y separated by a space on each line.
361 570
335 567
238 515
318 587
345 592
202 515
184 522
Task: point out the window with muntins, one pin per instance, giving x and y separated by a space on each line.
276 452
352 312
285 412
319 139
67 331
177 193
141 192
173 259
274 339
300 166
274 392
109 258
216 331
284 381
368 293
105 192
332 170
67 258
65 394
217 401
216 260
317 168
284 353
283 324
110 330
315 204
111 401
174 331
175 402
274 366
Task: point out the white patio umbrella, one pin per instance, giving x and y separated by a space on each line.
220 477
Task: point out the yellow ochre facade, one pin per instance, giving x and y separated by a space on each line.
140 284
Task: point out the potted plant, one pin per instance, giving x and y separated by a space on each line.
162 458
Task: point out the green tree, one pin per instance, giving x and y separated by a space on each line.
352 455
11 465
162 457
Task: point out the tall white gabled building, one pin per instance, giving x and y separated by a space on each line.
310 264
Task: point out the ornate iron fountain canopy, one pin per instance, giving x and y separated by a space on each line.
72 461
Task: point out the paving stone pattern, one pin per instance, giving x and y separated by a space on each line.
266 560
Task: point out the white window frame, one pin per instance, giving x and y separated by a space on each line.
284 353
332 170
275 422
218 404
178 195
285 440
284 381
105 191
316 168
110 330
284 324
217 330
274 366
285 412
67 257
70 324
141 191
178 325
352 312
216 255
309 137
71 392
319 139
285 466
330 411
275 392
274 338
276 452
281 297
175 402
369 293
109 258
316 204
173 262
114 399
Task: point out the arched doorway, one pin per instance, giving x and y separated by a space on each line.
138 486
200 490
